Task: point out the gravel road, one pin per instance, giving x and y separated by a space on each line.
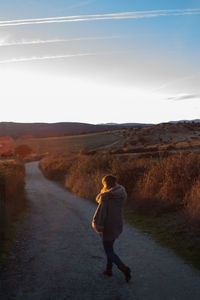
58 256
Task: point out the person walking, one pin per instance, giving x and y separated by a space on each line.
108 221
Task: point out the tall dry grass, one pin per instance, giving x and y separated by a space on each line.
154 185
168 181
84 176
192 202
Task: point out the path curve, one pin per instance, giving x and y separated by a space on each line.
58 256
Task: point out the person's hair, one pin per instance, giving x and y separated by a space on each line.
109 180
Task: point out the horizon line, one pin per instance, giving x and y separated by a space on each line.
107 123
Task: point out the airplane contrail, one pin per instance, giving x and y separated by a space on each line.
38 58
96 17
33 58
36 42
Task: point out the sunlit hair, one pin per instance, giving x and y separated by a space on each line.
109 181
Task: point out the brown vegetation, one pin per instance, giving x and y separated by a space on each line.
12 197
192 201
22 150
167 182
56 167
154 185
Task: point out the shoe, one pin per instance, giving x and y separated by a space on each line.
108 271
126 271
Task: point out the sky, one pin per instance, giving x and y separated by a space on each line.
99 61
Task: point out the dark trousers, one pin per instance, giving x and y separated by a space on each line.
111 255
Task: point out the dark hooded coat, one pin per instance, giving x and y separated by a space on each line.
107 220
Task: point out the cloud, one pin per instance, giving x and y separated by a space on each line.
97 17
4 43
184 97
176 81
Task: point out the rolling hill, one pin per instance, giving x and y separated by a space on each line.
37 130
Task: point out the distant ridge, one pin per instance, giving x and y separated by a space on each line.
185 121
16 130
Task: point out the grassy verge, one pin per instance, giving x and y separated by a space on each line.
162 229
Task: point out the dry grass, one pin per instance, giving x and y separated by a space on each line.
56 167
192 201
84 177
12 172
154 185
168 181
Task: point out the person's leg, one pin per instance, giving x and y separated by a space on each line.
113 258
111 255
108 270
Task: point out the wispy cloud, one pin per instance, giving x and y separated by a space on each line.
36 42
184 97
175 82
96 17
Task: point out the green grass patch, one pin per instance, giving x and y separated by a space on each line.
181 242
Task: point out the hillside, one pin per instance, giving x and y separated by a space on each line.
70 144
170 137
16 130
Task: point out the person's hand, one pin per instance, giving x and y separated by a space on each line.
103 190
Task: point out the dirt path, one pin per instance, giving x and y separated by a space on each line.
58 256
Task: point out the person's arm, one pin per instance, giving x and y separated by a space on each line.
101 196
98 198
99 217
125 196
